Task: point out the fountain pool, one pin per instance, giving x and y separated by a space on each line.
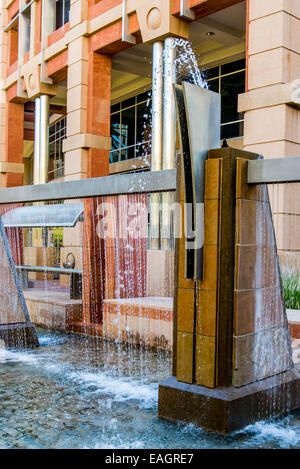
74 392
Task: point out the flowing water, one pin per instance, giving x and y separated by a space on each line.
74 393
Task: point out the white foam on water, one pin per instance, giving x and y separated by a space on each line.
17 356
119 443
51 339
278 433
120 388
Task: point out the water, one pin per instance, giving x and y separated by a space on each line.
71 393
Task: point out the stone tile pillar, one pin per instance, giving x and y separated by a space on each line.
233 361
271 105
11 122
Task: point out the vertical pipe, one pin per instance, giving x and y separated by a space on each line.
37 127
157 106
169 116
44 139
169 135
157 129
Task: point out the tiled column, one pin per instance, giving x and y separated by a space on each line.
11 122
13 169
3 68
271 117
233 356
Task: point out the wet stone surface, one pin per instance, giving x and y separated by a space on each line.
74 393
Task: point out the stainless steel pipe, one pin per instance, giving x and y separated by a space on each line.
44 138
41 140
37 128
169 115
157 106
157 144
169 135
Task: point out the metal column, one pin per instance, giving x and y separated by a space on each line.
44 138
157 129
169 133
169 119
37 128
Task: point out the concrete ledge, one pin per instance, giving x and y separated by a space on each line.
86 141
225 410
268 96
7 167
19 335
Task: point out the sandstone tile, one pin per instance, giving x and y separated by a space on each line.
213 178
186 310
260 355
253 223
205 361
206 313
256 310
185 357
211 222
256 267
210 268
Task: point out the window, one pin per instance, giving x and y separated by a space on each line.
229 80
57 133
62 12
26 17
131 128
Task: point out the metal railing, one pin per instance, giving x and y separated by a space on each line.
137 183
275 170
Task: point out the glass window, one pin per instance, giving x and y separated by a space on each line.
211 73
62 13
230 82
231 67
115 137
231 87
57 133
214 85
130 128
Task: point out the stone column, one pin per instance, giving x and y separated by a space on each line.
232 358
271 106
11 122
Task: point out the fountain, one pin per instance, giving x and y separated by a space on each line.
232 360
231 350
16 329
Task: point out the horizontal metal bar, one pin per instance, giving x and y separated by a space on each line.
51 270
133 183
275 170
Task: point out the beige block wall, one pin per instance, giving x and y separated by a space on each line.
273 130
77 93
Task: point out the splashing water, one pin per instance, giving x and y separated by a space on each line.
186 64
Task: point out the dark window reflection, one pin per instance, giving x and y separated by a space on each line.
231 87
130 128
62 13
